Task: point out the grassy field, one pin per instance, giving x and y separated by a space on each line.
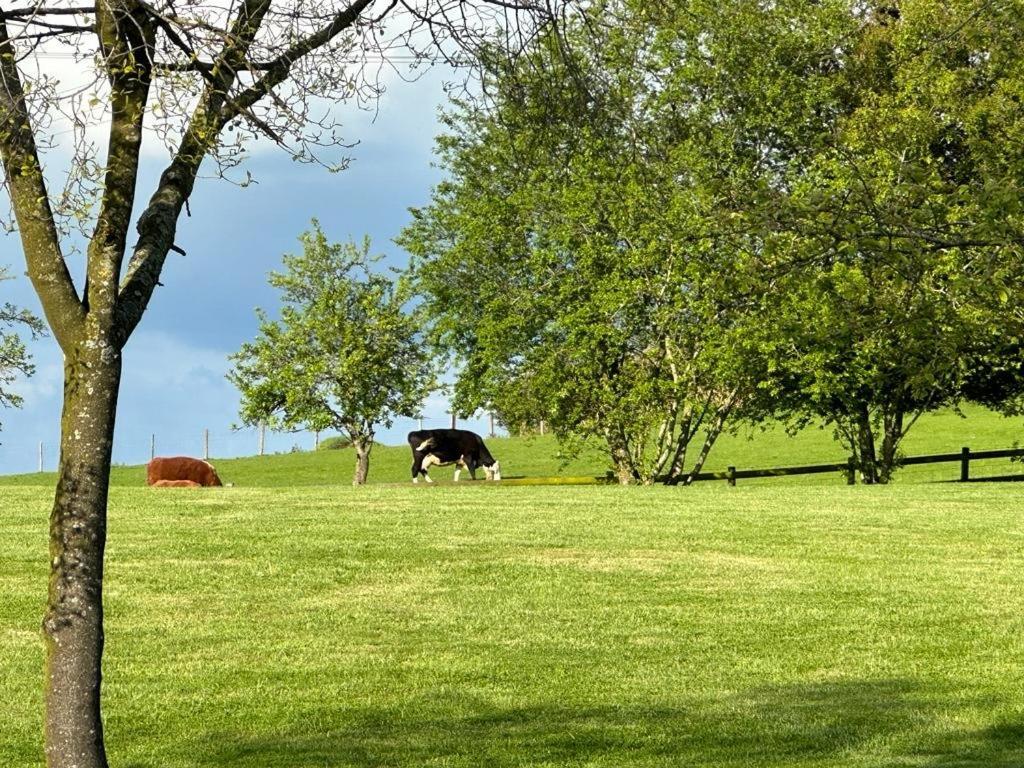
941 432
480 626
293 621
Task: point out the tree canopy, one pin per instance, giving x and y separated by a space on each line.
344 354
805 211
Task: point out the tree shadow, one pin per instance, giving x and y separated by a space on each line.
790 725
1000 746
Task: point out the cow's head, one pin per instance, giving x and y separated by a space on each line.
493 472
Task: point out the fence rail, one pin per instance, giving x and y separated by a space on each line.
849 467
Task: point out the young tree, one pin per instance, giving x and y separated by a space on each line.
344 354
207 79
14 359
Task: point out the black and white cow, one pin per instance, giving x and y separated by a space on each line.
439 447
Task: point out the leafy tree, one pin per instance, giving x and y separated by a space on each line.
858 155
14 359
206 79
343 356
813 204
568 269
904 227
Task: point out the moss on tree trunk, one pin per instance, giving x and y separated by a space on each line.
73 624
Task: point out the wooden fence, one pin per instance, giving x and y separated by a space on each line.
849 467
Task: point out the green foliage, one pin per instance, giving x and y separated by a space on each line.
15 361
737 210
569 271
344 354
336 443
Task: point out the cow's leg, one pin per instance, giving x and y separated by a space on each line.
428 461
416 468
458 469
471 465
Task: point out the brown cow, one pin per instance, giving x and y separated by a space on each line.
181 468
176 484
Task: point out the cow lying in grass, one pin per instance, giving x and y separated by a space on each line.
440 447
181 468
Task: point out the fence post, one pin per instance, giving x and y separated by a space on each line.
731 475
152 446
40 455
206 444
965 464
851 471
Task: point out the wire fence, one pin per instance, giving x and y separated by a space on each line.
134 444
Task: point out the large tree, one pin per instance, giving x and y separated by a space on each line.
903 227
344 354
814 207
205 78
585 259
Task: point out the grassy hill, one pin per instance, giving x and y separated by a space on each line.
940 432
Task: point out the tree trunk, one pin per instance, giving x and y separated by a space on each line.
893 431
73 624
710 437
866 448
621 464
363 449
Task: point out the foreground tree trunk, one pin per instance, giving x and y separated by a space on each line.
73 623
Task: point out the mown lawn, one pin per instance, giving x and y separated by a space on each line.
480 626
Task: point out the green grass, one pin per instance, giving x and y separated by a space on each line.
941 432
500 626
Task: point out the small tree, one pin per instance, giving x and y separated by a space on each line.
344 354
14 359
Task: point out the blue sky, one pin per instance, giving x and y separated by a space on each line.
173 385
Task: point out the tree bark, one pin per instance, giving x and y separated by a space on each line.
866 448
73 623
893 432
363 449
620 462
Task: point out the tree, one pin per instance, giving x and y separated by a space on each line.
207 79
14 359
904 228
570 261
811 205
344 354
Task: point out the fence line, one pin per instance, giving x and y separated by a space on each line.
849 467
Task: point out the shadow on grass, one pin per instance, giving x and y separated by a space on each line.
876 723
1001 746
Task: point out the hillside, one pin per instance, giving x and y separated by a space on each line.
940 432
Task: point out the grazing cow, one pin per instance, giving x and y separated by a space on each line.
440 447
181 468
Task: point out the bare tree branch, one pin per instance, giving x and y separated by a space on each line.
29 196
